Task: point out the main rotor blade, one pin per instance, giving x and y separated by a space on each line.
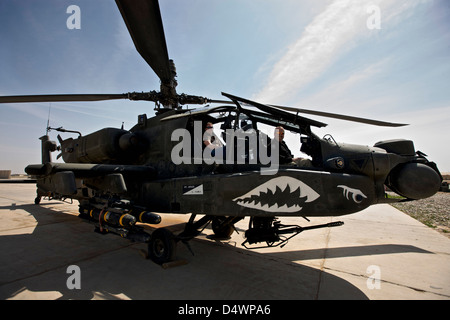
274 111
62 97
144 23
342 117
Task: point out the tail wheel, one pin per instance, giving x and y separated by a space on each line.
162 246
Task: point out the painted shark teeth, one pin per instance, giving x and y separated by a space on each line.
281 194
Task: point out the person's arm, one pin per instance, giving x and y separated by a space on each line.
207 140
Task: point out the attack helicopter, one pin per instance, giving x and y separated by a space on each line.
125 178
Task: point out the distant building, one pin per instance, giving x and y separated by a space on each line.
5 174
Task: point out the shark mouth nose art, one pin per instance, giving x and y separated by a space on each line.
281 194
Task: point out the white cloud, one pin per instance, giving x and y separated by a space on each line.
364 89
331 33
312 53
342 96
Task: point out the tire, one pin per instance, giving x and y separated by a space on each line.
162 246
220 230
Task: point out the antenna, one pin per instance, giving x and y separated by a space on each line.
48 120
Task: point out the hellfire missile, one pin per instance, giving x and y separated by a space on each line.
110 217
146 216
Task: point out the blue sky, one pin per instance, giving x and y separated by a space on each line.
311 54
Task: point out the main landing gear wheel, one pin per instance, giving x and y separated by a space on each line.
162 246
220 228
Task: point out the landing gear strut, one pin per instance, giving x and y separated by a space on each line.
162 244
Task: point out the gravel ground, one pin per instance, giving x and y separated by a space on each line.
433 212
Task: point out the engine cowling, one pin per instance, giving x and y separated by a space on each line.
108 145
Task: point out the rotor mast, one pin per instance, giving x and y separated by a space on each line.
169 97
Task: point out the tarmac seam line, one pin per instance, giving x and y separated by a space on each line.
322 263
388 282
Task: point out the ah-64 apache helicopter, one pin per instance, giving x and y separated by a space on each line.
125 177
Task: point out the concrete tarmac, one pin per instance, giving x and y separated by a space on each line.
379 253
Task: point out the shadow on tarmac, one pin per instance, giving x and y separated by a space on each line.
36 262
